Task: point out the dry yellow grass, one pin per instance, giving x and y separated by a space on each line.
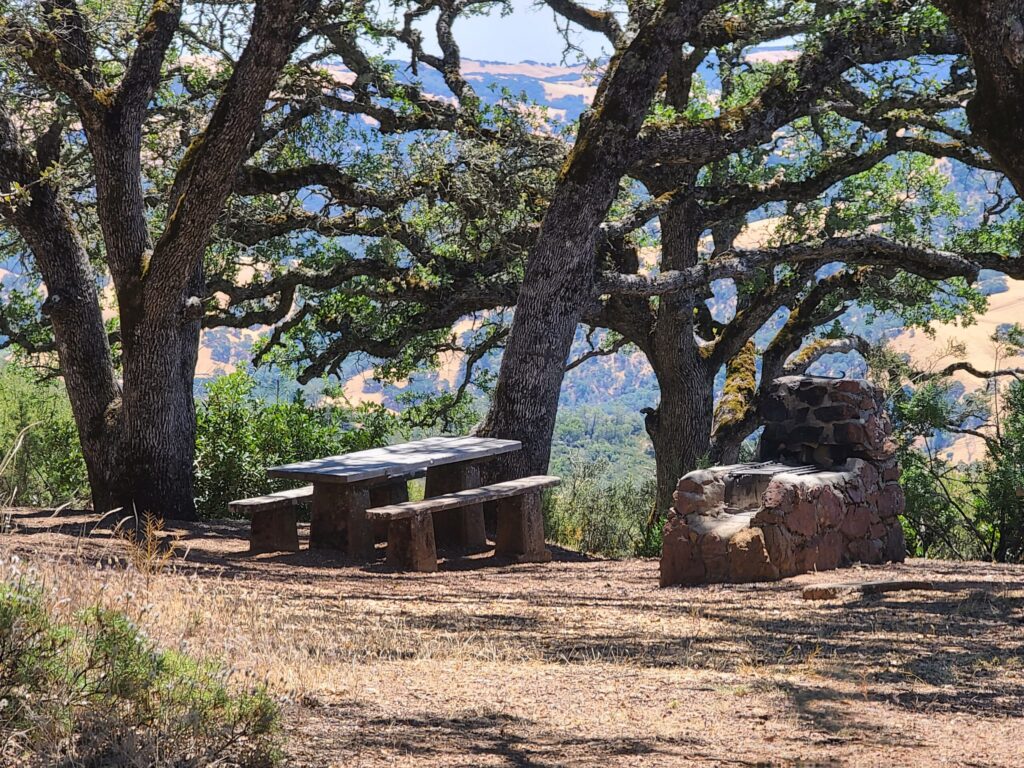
578 662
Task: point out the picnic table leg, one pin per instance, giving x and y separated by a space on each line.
456 527
339 519
521 529
328 524
360 530
392 492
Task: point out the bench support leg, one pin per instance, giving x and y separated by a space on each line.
521 529
274 530
457 527
411 544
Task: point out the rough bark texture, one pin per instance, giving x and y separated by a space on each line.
139 444
684 416
74 311
560 271
44 222
994 32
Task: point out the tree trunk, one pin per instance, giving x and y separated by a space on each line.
994 32
560 272
684 416
139 443
160 353
683 429
73 307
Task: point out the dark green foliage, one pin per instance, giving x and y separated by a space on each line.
610 434
594 514
96 692
973 511
40 457
1002 506
241 434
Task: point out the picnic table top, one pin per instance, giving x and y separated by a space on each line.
395 460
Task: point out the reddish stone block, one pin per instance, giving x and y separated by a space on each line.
680 563
849 433
840 412
831 551
714 552
748 558
856 522
866 551
895 545
830 508
891 501
781 547
803 519
806 557
778 495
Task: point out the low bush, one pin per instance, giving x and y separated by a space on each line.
605 517
40 460
96 692
240 434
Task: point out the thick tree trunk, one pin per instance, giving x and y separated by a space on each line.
160 353
560 272
160 342
139 445
73 307
684 416
994 32
683 429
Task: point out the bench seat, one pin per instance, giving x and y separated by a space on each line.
275 523
520 534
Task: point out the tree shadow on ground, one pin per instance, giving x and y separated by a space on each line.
501 739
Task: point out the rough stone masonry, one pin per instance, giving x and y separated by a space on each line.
825 495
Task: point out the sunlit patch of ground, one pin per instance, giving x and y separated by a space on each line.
579 662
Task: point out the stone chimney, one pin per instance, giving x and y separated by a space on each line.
816 420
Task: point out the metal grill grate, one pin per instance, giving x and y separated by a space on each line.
769 468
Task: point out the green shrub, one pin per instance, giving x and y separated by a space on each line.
963 511
40 459
611 518
97 692
1001 505
240 434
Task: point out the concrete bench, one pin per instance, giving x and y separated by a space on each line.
520 534
274 519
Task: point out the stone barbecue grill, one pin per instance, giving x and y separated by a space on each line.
825 493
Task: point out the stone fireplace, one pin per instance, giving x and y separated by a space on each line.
824 494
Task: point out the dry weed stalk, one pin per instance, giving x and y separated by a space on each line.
150 548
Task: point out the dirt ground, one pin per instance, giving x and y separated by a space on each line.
578 662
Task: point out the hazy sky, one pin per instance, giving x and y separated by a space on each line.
529 34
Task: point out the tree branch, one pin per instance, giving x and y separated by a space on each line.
870 250
209 168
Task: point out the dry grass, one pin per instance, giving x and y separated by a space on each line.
572 663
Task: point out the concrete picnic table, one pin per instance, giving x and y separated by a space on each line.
345 486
